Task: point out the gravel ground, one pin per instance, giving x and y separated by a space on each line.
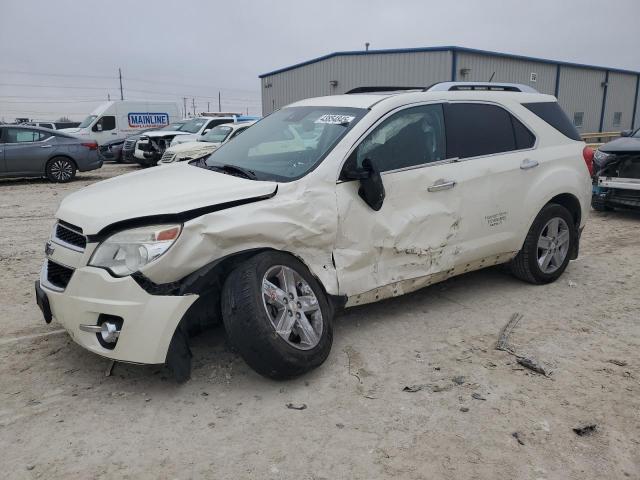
61 417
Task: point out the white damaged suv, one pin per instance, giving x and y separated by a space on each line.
392 191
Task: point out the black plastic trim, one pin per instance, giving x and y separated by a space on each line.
172 217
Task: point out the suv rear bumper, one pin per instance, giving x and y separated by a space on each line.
148 321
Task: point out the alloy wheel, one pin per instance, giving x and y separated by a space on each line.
553 245
61 170
292 307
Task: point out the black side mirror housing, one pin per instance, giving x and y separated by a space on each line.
371 187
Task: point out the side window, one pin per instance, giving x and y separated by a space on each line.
524 138
106 123
475 129
237 132
413 136
19 135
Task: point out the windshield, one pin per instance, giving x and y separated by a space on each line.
217 134
288 143
636 134
194 126
87 121
176 126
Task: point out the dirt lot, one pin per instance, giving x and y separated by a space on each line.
60 417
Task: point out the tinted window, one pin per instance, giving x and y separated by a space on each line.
20 135
551 113
108 122
413 136
475 129
524 138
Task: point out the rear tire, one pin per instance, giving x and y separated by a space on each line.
545 253
60 170
274 289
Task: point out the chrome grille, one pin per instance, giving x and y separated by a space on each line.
129 144
168 157
70 236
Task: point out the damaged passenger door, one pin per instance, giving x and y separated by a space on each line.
414 233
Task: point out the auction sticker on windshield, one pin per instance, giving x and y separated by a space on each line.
335 119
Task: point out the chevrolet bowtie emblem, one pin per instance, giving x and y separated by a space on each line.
48 249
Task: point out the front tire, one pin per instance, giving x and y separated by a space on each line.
547 248
277 316
60 170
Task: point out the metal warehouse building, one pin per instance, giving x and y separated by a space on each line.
597 99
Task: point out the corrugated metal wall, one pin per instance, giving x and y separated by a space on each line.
313 80
482 68
581 90
620 93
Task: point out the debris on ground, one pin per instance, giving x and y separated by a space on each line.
572 284
109 369
414 388
459 380
620 363
533 365
503 339
586 430
31 467
477 396
516 435
464 409
296 406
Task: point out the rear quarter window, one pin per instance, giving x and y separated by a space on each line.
553 114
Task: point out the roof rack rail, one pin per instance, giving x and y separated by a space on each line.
382 89
490 86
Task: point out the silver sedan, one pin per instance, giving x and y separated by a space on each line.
39 152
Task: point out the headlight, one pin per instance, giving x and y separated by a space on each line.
600 157
128 251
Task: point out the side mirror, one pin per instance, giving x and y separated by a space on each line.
206 131
371 187
626 133
98 127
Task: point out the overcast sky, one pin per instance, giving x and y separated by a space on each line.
169 49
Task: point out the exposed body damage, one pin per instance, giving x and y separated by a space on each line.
616 180
291 246
153 147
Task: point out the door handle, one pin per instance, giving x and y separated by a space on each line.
527 163
46 146
441 185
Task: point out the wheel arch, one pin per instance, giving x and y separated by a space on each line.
59 155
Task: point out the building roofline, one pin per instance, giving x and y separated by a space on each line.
449 48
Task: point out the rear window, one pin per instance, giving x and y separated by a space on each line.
551 113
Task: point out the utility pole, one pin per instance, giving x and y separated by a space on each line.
219 102
108 97
121 92
184 109
208 107
193 104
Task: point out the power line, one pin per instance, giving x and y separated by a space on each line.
67 75
52 101
55 86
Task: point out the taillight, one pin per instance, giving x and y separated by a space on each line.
91 145
587 154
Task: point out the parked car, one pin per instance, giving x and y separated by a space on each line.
218 120
111 151
40 152
400 190
205 145
131 143
116 120
54 125
616 180
151 146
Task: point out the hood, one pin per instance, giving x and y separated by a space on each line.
69 130
621 145
164 133
191 137
156 191
192 147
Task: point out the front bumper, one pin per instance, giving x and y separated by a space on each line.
149 321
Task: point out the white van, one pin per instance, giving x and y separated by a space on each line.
117 120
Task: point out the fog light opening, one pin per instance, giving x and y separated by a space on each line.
110 327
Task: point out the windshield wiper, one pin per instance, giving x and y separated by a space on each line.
234 170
